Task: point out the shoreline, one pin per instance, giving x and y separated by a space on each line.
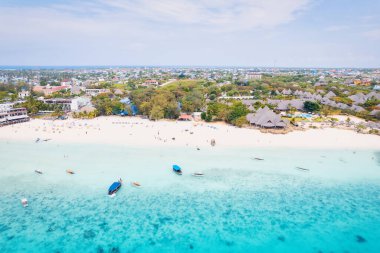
134 131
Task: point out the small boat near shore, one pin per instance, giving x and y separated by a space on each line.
24 202
38 172
115 186
177 170
70 172
135 184
303 169
197 174
257 159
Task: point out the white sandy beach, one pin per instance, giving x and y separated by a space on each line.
134 131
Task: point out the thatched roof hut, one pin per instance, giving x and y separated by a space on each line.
264 117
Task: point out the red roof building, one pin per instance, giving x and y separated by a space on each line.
185 117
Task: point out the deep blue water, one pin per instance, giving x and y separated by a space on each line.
241 205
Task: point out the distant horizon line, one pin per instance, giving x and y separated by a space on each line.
47 67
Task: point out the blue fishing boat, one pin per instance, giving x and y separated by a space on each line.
114 187
177 170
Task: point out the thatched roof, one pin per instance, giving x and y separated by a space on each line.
287 92
374 112
357 108
285 104
358 98
264 117
330 94
87 108
342 106
373 95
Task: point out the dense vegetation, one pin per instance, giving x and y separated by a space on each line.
33 106
188 96
168 101
311 106
105 105
9 92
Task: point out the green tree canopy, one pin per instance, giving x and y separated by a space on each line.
311 106
238 109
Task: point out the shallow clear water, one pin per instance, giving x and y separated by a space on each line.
241 205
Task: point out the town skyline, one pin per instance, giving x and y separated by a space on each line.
257 68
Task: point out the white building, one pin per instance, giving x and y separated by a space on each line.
150 83
197 116
23 94
66 83
254 76
78 103
6 106
95 92
12 116
3 79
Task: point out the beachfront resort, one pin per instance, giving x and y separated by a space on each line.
266 99
189 126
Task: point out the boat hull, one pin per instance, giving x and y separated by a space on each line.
114 188
135 184
178 172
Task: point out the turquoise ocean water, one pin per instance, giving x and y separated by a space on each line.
241 205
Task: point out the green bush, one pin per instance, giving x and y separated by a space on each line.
239 122
311 106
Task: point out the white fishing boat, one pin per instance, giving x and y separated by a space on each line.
198 174
24 202
70 172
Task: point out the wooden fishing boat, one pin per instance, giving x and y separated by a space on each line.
197 174
136 184
115 186
24 202
177 170
38 171
300 168
70 172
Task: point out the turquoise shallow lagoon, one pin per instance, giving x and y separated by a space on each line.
241 205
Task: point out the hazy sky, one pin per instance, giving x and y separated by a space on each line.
288 33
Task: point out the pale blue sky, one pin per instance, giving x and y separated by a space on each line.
287 33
